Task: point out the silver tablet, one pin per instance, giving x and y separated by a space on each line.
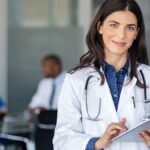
132 135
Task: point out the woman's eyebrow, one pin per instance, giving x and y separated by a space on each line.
132 25
113 21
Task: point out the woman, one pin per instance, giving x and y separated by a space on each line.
91 115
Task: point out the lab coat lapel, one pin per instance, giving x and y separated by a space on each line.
108 102
127 92
103 92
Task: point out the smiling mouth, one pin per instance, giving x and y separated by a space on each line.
119 43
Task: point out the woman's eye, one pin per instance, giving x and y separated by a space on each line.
131 28
114 25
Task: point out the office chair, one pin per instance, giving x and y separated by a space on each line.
9 140
44 130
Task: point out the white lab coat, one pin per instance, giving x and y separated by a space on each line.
42 96
74 130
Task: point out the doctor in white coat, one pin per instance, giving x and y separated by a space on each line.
104 94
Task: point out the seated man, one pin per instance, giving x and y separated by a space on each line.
46 96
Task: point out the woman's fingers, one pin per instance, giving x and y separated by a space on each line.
145 136
117 126
114 133
123 120
148 130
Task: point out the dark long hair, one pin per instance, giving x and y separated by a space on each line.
95 55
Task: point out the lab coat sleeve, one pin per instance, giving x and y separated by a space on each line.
69 132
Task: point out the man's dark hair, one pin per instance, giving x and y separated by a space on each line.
53 57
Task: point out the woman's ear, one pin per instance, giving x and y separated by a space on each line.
99 28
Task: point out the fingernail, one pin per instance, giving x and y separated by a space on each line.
124 129
123 119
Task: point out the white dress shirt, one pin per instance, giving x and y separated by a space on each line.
44 91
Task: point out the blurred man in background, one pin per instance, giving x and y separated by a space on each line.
46 96
42 110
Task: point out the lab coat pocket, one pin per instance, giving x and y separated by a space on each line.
132 111
93 128
136 111
140 111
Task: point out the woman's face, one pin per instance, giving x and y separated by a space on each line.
119 30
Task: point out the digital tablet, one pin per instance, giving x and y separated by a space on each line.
132 135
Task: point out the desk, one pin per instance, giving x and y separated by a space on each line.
16 125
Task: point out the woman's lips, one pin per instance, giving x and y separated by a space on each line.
119 43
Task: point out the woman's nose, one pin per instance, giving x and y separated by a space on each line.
121 33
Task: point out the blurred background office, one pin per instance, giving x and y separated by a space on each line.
31 29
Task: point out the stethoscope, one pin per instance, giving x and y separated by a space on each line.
146 100
86 101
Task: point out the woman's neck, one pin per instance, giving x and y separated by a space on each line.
118 61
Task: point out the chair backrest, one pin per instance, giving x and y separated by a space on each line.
6 139
44 132
47 117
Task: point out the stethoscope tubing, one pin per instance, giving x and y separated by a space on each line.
86 98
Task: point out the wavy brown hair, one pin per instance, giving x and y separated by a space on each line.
95 55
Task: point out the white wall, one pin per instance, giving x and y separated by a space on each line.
3 48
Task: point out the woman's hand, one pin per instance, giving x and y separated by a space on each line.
112 131
145 136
